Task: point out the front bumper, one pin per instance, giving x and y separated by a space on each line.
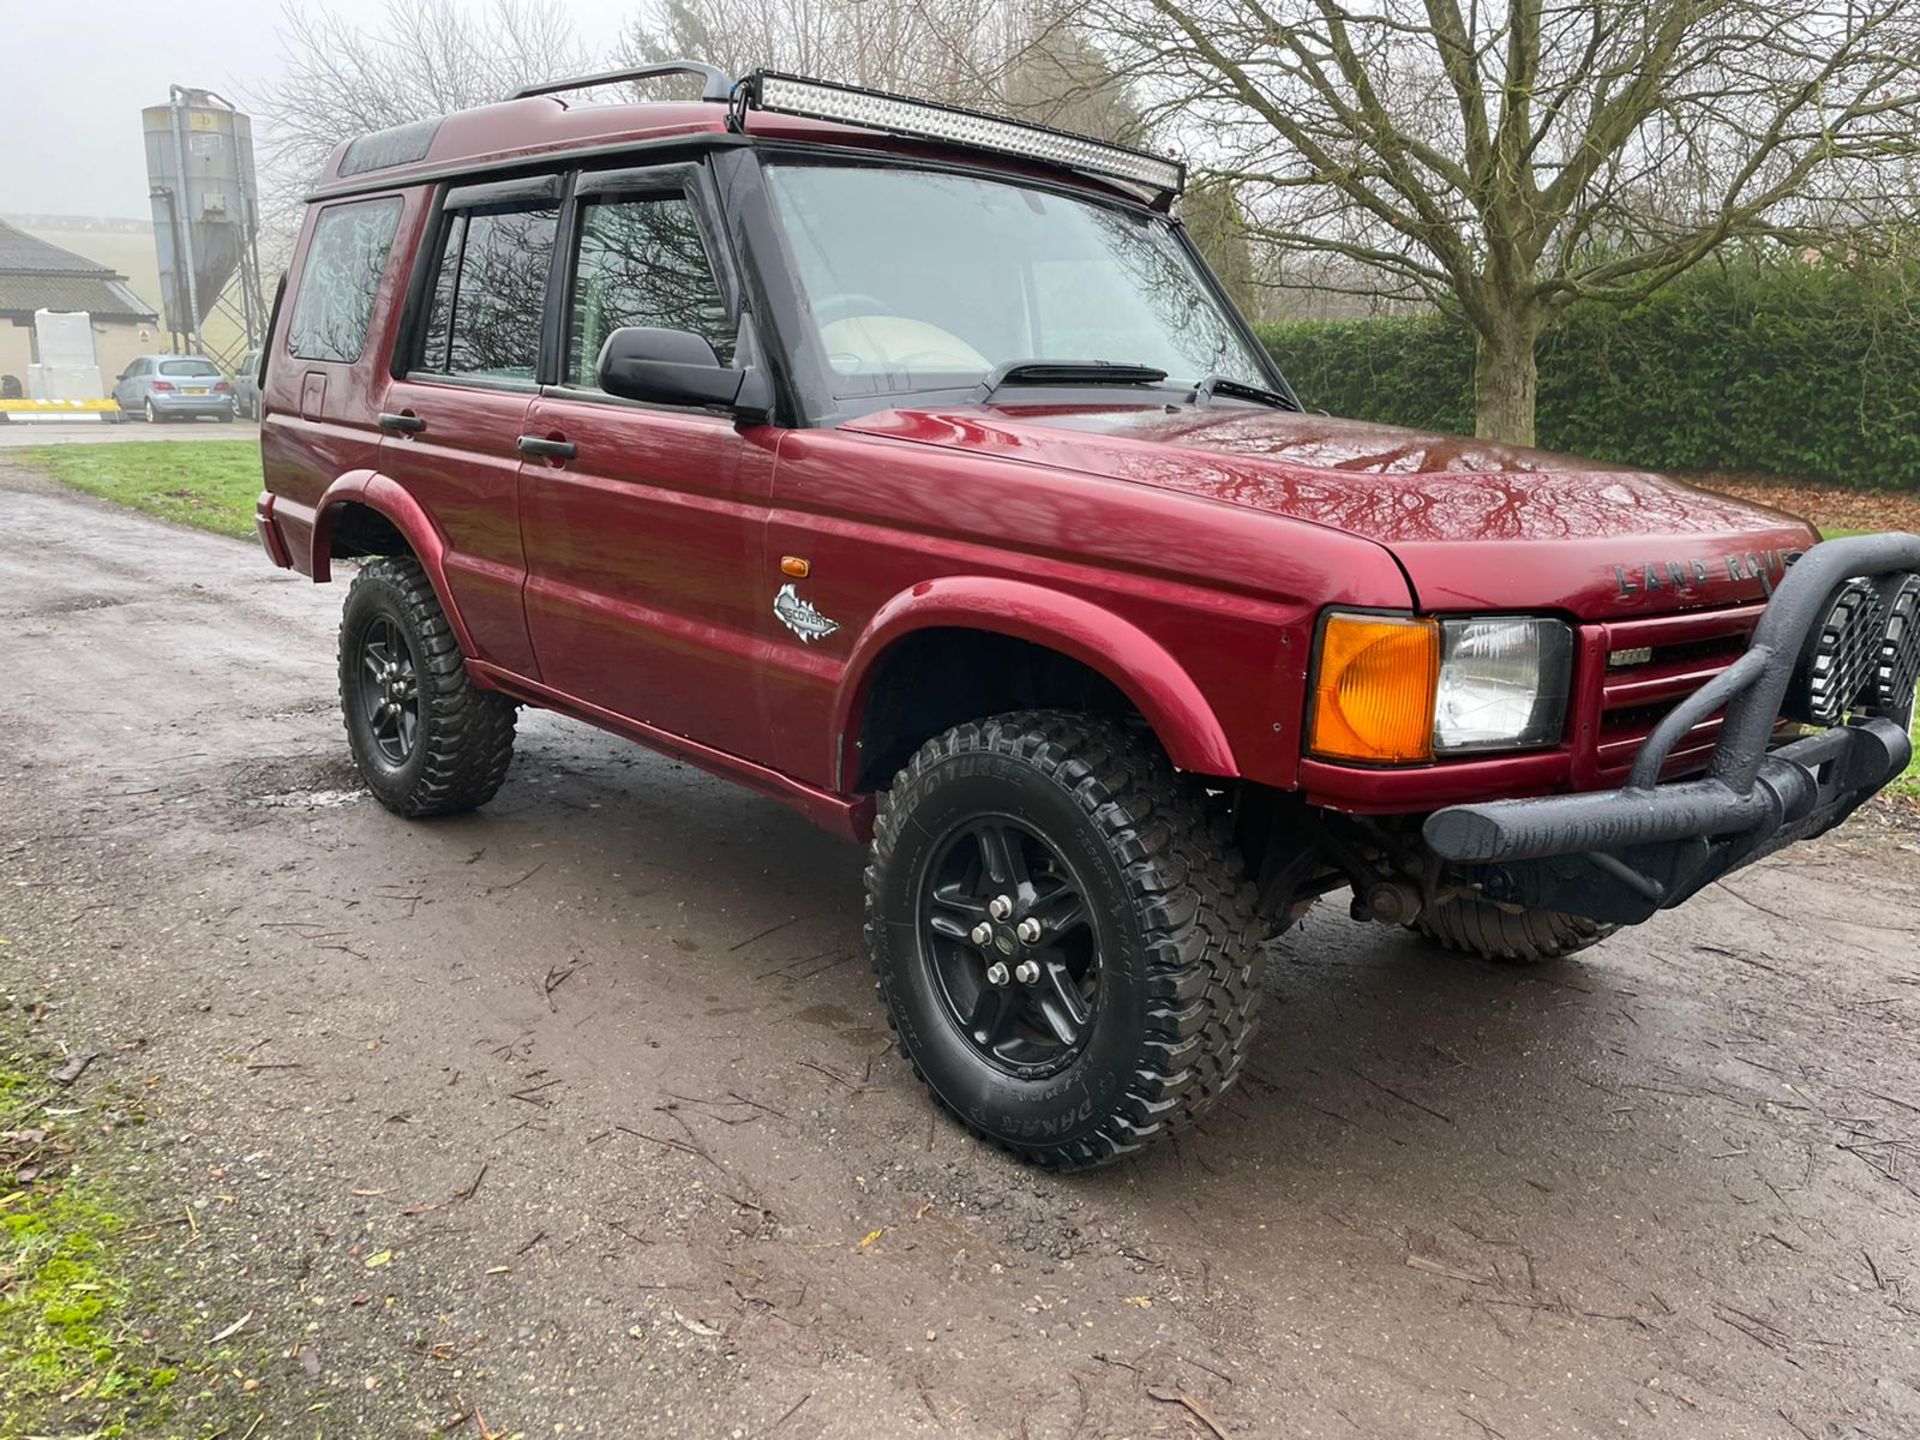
1622 855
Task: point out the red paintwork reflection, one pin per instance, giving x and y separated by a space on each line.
1478 525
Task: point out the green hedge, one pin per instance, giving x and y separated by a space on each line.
1789 370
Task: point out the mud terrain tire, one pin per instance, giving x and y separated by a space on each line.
1525 937
1177 960
461 737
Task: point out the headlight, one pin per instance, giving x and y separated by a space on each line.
1503 684
1395 689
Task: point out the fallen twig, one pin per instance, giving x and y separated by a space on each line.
468 1193
791 1411
232 1330
492 889
1403 1099
556 977
1193 1407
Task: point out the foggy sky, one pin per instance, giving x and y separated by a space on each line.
78 75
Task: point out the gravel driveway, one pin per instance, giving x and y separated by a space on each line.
601 1070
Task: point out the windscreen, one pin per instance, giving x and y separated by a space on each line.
923 280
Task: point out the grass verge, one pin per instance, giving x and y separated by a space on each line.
83 1351
209 484
1908 785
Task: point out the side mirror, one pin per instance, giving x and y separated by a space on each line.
677 367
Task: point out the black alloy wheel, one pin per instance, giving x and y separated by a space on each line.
1064 939
1010 942
389 689
425 738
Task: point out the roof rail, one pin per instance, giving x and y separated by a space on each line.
719 84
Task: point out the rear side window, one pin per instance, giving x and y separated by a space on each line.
642 261
188 367
484 318
345 264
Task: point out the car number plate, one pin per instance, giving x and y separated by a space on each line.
196 390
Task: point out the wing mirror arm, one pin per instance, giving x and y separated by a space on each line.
753 403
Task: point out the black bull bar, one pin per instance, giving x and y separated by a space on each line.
1621 855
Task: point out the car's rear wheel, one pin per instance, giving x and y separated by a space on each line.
1517 936
1065 945
426 739
153 415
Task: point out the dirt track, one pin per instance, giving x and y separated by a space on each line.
623 1012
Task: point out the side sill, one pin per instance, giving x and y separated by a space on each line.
850 817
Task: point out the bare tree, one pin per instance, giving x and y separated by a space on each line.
1030 59
428 58
1025 58
1507 158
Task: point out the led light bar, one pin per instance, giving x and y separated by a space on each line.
928 120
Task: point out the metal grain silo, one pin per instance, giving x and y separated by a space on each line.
205 212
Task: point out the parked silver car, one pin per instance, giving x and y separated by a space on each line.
246 386
173 387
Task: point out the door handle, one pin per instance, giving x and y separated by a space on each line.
406 422
549 449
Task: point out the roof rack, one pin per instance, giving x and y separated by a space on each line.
718 86
1162 179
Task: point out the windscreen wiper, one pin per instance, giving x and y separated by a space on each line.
1067 372
1204 391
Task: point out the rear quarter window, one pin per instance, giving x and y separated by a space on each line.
346 262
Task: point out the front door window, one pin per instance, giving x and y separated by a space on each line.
642 261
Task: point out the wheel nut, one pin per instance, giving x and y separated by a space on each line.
1027 972
1028 930
996 974
1000 907
982 933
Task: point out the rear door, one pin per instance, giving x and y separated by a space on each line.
454 415
645 583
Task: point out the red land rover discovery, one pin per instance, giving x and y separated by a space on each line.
908 466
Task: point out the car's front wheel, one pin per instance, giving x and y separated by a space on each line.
426 739
1065 945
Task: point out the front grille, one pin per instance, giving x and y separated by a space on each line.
1634 671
